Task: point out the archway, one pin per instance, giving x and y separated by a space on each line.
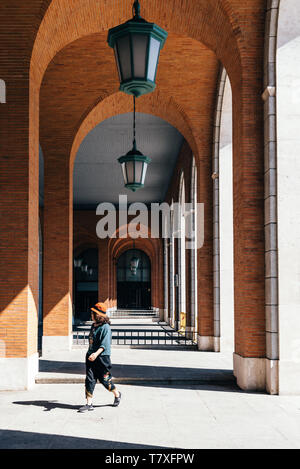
134 280
64 22
85 283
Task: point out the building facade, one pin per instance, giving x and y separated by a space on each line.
224 134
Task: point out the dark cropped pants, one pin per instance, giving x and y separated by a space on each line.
98 370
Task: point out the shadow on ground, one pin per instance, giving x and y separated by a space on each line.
50 405
139 371
150 376
11 439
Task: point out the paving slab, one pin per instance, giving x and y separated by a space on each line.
171 399
149 416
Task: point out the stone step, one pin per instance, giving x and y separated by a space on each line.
217 378
138 381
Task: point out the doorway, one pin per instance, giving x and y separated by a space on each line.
85 283
134 280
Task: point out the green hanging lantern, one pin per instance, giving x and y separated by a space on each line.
137 45
134 164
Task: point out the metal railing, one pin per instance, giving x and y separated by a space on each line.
140 337
130 313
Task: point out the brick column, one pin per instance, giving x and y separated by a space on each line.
249 252
206 340
58 253
18 234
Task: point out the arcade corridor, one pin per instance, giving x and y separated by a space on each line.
154 171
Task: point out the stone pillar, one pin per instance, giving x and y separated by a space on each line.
192 252
166 278
171 317
288 176
181 251
271 228
58 253
216 208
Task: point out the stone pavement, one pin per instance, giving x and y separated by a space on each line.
176 399
149 416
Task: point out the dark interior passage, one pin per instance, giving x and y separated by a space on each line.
134 280
85 283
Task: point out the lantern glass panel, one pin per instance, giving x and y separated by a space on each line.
130 172
117 62
138 171
140 43
123 165
144 173
124 53
153 58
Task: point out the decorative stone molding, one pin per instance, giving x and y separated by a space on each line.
216 206
271 224
250 372
206 343
270 92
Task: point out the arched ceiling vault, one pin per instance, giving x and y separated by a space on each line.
76 67
217 23
80 90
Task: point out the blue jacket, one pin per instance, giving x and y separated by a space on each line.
100 336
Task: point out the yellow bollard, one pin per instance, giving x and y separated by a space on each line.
182 322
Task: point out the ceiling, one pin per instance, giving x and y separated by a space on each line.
97 172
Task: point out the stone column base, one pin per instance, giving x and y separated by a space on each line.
161 314
52 344
190 333
250 372
18 373
208 343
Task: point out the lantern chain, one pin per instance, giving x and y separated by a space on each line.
136 9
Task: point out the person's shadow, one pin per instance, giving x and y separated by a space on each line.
50 405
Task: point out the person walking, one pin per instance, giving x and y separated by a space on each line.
98 363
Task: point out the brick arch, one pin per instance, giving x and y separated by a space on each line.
81 247
247 160
217 26
153 249
155 103
147 246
